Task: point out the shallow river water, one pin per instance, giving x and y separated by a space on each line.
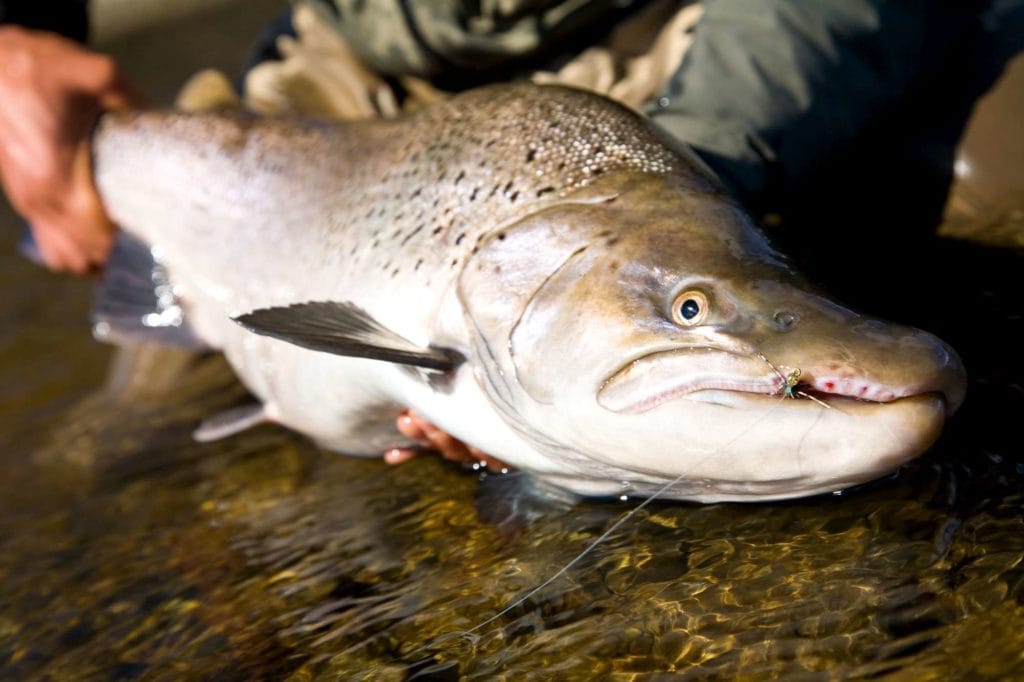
127 551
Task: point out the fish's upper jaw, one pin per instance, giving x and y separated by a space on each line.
662 376
665 375
911 363
824 385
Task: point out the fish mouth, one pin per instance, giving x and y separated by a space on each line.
730 379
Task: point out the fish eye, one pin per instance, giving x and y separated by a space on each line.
690 308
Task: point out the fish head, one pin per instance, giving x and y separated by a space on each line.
644 332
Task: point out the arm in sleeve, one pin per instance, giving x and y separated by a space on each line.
767 92
69 18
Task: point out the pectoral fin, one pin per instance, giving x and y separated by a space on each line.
342 328
230 422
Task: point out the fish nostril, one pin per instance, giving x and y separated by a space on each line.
785 320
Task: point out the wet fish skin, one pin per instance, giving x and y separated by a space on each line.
544 234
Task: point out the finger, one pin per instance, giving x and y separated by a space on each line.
121 95
493 463
55 246
410 425
399 455
89 225
449 447
84 70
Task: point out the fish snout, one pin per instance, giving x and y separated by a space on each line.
947 376
911 364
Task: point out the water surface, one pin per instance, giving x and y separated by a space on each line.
128 551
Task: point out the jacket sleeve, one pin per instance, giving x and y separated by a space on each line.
66 17
765 94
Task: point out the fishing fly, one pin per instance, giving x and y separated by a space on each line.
790 382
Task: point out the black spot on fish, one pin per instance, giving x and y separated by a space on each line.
508 187
418 264
412 234
515 195
416 193
531 155
460 176
501 236
472 196
455 261
545 190
437 230
458 240
376 243
395 272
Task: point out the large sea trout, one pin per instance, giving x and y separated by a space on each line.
536 270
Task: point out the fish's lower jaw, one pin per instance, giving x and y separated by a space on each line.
770 454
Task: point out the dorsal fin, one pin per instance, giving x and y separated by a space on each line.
342 328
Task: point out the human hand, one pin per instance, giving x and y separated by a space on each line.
53 91
429 437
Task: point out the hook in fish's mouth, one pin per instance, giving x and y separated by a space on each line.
706 374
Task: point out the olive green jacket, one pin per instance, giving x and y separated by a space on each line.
768 88
465 37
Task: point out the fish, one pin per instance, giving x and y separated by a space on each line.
539 271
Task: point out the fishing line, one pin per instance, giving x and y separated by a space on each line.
468 634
